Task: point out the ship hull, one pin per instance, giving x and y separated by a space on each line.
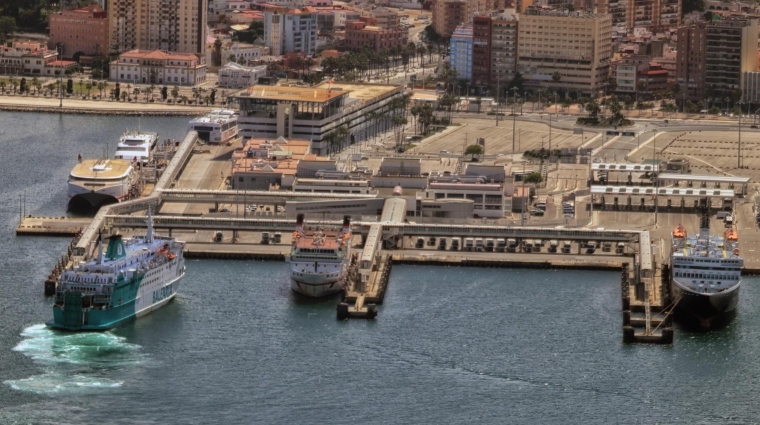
704 310
316 290
106 319
306 280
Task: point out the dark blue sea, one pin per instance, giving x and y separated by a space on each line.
449 346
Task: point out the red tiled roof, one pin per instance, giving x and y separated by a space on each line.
157 54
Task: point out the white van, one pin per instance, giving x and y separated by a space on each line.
478 244
468 244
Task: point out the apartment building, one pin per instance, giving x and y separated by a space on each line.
713 56
291 30
690 60
481 52
383 16
653 15
574 46
503 47
449 14
359 35
460 48
82 30
168 25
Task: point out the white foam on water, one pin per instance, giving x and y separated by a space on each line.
74 362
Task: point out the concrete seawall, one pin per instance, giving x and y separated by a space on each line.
94 111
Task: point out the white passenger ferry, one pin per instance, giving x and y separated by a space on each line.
319 259
217 127
97 182
136 146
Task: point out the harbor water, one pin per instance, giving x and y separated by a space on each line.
450 345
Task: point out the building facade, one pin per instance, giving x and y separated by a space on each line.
82 30
481 53
168 25
312 113
713 56
653 15
290 30
460 48
503 48
26 58
568 52
157 67
359 35
236 76
449 14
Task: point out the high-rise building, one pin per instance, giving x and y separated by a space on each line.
481 52
290 30
448 14
654 15
83 30
167 25
564 51
460 48
690 61
503 47
713 56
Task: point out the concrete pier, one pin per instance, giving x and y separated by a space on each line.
52 226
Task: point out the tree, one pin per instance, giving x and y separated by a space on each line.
7 27
593 109
534 177
518 81
69 86
175 93
22 87
212 96
473 150
216 55
692 6
88 87
231 58
101 86
117 91
164 93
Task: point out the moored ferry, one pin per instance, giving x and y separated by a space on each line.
132 278
136 146
319 259
97 182
705 274
217 127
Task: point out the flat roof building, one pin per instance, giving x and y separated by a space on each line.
82 30
311 113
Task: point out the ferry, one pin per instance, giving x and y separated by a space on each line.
136 146
217 127
319 259
97 182
132 278
706 274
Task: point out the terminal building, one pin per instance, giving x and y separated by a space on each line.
311 113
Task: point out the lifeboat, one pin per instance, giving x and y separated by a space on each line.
679 232
732 235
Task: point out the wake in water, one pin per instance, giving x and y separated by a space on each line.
74 362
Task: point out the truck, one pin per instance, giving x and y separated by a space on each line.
469 244
620 248
607 246
590 247
566 245
455 244
489 244
528 245
265 238
501 245
479 244
442 244
553 244
277 237
511 245
537 244
420 243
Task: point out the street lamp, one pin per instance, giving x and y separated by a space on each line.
514 116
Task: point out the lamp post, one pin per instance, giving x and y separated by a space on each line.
539 101
522 198
514 116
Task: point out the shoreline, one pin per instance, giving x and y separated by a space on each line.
89 107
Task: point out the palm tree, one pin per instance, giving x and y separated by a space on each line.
81 83
13 84
175 93
88 86
35 83
2 87
101 86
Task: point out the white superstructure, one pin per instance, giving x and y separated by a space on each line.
136 146
217 127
